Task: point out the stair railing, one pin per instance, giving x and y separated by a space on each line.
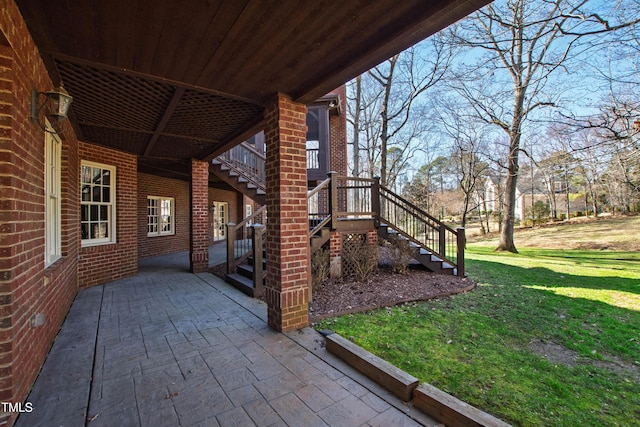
319 201
257 245
421 228
247 162
239 239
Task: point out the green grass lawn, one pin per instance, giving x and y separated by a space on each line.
549 337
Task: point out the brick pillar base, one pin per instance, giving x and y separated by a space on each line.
287 287
335 244
199 241
372 237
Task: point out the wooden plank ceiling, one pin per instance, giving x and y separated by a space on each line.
174 80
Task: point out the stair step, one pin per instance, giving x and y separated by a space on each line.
216 162
250 263
242 283
245 270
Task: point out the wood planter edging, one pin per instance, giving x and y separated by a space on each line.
443 407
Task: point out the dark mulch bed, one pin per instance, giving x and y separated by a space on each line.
383 289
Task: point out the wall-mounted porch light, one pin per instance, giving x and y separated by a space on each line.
55 105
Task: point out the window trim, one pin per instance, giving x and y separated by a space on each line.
112 204
53 199
172 215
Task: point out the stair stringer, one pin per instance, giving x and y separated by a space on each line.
424 255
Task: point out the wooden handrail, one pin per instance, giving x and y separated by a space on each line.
249 147
446 239
319 187
319 227
246 221
230 159
232 260
417 209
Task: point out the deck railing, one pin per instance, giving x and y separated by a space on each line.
340 197
247 162
422 228
240 239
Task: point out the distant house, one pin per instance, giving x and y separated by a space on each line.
529 191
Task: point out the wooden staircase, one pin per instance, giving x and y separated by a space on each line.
244 277
242 168
335 205
432 262
436 246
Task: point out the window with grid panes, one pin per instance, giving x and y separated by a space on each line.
97 204
53 207
160 216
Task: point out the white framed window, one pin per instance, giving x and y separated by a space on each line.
53 205
160 216
97 204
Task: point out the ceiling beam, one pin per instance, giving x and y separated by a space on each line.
208 155
173 103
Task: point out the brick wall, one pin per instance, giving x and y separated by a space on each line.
26 287
104 263
151 185
287 288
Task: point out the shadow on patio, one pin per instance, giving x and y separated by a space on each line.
170 348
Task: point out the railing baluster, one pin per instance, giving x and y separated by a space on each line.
258 275
231 240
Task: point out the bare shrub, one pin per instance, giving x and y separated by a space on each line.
320 267
400 254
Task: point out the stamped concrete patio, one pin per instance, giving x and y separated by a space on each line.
170 348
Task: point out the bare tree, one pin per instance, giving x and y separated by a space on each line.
354 113
469 170
428 181
522 44
389 113
590 168
469 145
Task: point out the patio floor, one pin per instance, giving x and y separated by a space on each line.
170 348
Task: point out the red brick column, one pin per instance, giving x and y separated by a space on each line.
199 241
287 289
335 244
